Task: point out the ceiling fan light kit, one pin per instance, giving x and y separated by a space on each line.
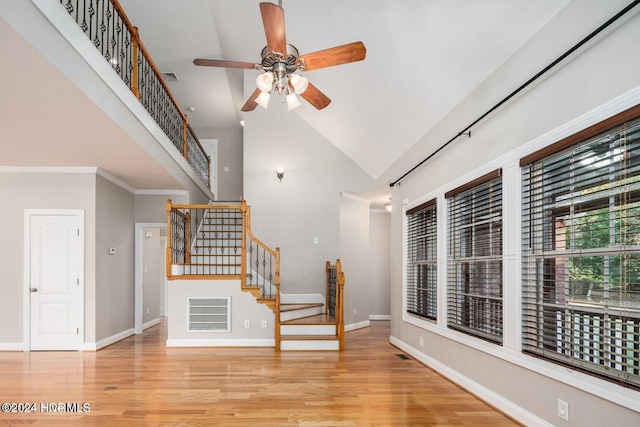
281 60
263 99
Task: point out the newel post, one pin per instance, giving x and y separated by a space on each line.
135 43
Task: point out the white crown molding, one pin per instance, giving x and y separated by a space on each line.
48 169
117 181
90 170
355 198
161 192
379 211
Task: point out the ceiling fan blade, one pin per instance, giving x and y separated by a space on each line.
223 63
251 103
314 97
344 54
273 21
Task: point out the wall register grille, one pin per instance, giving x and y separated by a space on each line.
209 314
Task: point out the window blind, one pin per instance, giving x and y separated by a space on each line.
421 282
581 254
474 289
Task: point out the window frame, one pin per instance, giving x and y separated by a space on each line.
588 336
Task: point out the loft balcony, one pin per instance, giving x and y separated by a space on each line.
80 90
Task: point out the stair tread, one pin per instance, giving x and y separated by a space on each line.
318 319
308 337
284 307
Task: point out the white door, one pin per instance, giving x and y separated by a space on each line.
55 284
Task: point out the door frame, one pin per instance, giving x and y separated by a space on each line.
138 298
26 310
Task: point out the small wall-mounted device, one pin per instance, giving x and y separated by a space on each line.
112 251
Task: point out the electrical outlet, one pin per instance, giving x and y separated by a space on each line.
421 342
563 409
247 324
264 323
355 311
147 310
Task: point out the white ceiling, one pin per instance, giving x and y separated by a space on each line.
423 58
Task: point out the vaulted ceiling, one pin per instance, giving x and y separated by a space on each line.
423 58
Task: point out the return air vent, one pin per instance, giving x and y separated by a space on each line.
170 76
209 314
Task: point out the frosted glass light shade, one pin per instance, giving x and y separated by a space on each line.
263 99
299 83
265 81
292 101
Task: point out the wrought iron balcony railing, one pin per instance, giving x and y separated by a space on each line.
107 26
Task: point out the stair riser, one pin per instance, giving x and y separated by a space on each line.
297 314
307 329
329 345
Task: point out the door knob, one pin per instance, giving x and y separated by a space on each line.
33 289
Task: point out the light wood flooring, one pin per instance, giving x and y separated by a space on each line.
138 381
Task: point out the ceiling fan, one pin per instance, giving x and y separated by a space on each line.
281 60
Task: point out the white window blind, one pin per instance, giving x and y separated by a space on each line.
581 253
421 280
474 289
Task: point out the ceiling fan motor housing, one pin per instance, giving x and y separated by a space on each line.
280 66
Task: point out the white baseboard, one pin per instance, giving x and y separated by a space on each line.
492 398
269 342
359 325
11 346
150 323
380 317
88 346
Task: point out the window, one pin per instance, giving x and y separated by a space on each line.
422 261
581 251
474 290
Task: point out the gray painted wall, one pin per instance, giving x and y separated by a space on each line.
153 252
229 156
40 191
152 207
582 85
306 203
355 257
380 275
114 273
244 307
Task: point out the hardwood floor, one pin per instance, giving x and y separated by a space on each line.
138 381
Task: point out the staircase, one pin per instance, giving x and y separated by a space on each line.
215 242
305 326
